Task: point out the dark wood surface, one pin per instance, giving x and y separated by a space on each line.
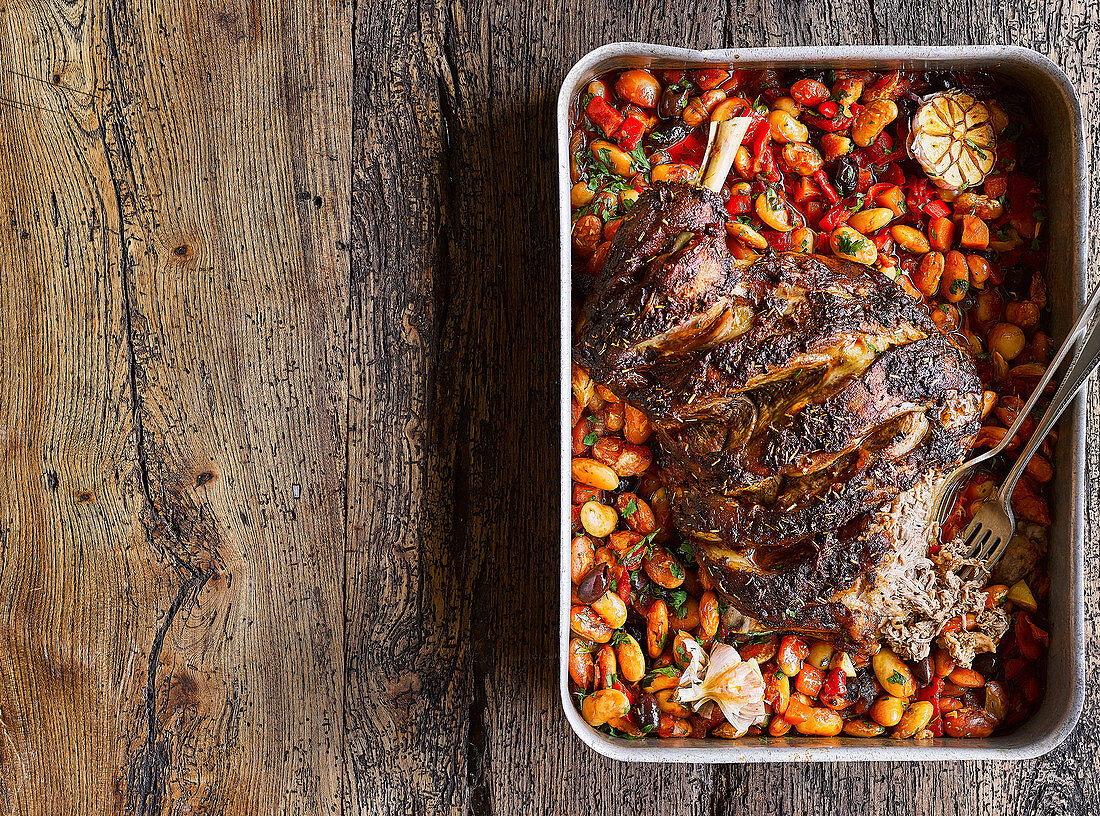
279 402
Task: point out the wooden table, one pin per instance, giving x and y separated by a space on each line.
278 410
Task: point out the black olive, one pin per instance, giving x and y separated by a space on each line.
1017 281
672 103
648 712
923 670
907 106
668 133
862 691
627 484
846 177
805 73
942 82
988 665
594 584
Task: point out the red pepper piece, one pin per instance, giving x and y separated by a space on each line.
622 583
836 683
826 186
918 194
779 241
932 691
629 135
738 204
619 685
761 144
690 150
830 125
828 109
603 115
893 175
937 208
864 180
837 215
804 190
873 193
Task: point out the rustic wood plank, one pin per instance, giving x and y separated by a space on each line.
452 700
173 352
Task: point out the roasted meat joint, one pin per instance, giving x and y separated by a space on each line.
784 342
795 400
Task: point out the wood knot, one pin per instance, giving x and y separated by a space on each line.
318 202
56 79
84 496
51 480
203 478
181 250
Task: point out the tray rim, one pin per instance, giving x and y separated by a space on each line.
1071 517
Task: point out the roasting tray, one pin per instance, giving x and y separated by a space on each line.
1059 113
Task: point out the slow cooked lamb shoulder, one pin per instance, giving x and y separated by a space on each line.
799 401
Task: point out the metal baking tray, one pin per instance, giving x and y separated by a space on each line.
1059 114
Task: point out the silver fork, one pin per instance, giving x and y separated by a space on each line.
987 536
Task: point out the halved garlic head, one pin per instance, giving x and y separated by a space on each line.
953 138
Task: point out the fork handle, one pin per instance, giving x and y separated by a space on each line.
1084 363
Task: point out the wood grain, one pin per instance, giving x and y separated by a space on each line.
173 354
451 702
278 410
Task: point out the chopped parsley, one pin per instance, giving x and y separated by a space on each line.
858 203
664 671
685 550
679 601
591 438
620 637
960 285
896 678
645 546
849 244
676 570
640 159
630 509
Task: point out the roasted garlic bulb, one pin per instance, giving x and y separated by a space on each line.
953 138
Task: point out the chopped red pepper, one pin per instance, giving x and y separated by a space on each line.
918 194
864 180
937 208
804 190
837 215
618 685
738 204
629 135
761 144
932 691
836 683
828 109
830 125
894 175
603 115
689 150
872 194
779 241
826 186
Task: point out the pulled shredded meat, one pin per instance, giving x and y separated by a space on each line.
920 593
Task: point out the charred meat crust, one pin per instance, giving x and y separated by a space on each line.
792 399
